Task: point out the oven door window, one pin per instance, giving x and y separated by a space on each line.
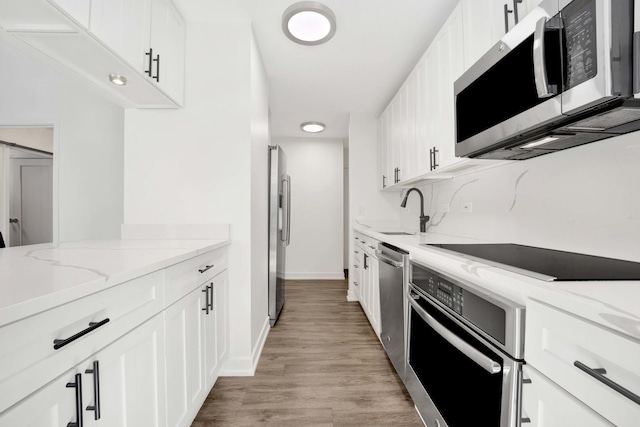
464 393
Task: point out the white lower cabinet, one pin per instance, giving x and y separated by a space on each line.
368 280
51 406
147 365
544 404
123 384
196 342
592 363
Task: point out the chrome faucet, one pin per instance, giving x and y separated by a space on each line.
423 218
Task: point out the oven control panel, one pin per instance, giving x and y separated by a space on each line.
444 291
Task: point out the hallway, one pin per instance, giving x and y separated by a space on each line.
322 365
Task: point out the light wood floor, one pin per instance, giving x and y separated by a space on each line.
322 365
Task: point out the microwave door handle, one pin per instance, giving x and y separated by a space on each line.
539 65
480 359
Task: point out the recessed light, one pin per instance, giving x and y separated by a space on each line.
309 23
117 79
312 127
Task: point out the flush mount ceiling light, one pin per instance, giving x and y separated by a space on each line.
312 127
117 79
309 23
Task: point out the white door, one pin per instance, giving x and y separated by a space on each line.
31 201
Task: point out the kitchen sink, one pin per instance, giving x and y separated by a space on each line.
396 233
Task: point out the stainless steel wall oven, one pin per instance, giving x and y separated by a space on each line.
464 352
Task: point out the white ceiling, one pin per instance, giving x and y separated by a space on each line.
376 45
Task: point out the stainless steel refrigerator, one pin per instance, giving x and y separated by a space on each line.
279 228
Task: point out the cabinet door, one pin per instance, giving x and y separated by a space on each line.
422 118
221 304
395 141
545 404
183 351
382 154
124 26
451 67
54 405
168 41
432 89
130 379
409 128
478 36
215 329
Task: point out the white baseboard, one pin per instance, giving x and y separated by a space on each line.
246 366
315 276
351 296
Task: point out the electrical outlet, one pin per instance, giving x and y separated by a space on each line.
444 207
467 207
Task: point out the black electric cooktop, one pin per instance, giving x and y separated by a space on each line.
556 265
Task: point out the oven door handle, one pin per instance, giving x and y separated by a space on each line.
480 359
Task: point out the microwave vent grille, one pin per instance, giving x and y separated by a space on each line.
608 120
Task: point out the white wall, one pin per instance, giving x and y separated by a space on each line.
316 169
88 142
583 199
367 205
259 198
194 166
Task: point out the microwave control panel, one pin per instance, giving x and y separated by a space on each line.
579 25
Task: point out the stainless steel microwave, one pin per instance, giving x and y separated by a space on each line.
562 77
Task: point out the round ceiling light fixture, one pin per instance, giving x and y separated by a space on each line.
117 79
312 127
309 23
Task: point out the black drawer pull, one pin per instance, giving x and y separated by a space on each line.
150 55
78 386
207 267
96 389
598 373
210 296
92 326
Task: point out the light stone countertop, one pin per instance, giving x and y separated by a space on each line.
35 278
613 304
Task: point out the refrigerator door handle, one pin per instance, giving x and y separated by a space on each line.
286 226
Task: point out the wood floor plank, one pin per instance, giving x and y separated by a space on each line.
322 365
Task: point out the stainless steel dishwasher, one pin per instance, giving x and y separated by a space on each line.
393 263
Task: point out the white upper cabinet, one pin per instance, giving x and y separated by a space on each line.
419 139
142 40
486 21
124 26
148 34
168 41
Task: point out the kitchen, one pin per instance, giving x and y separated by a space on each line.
577 200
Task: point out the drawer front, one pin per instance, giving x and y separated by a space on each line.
544 404
27 353
184 277
555 342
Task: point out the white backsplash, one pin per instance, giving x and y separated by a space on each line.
584 199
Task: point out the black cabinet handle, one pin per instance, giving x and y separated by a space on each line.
365 261
206 299
78 386
507 11
515 10
96 389
433 161
206 267
398 174
384 181
599 374
150 55
210 293
92 326
157 61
